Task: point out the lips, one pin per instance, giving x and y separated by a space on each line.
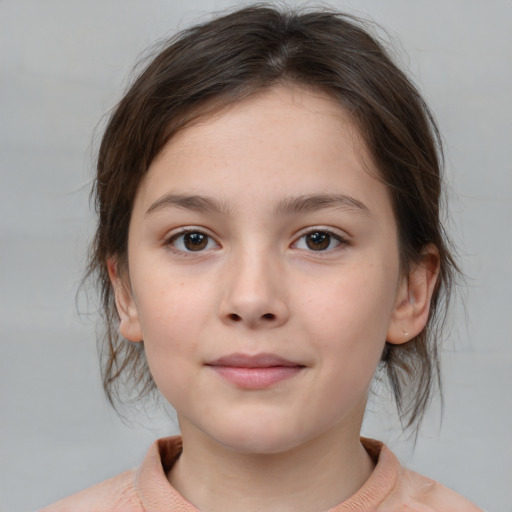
255 371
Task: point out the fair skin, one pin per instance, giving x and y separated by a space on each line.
263 322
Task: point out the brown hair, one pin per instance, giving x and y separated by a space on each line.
225 60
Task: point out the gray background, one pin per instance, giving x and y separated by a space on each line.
62 65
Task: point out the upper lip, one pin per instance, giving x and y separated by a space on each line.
252 361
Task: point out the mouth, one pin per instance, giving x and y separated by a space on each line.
255 371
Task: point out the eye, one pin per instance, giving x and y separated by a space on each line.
319 240
192 241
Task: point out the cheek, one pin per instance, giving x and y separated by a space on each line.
348 318
177 314
354 304
172 320
170 303
171 328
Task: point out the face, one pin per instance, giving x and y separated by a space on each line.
264 272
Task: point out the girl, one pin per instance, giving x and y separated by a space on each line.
268 196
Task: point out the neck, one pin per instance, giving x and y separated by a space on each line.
317 475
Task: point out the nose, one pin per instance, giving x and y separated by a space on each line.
255 293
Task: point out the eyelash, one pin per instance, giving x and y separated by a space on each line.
329 234
171 241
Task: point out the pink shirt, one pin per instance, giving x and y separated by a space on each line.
390 488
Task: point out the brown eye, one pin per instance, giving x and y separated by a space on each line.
192 241
195 241
318 240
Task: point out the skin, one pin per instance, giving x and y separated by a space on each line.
256 286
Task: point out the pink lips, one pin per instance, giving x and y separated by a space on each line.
255 372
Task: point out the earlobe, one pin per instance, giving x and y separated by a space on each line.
129 323
414 296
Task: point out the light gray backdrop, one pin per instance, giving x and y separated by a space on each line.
63 64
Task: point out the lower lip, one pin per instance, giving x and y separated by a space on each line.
257 378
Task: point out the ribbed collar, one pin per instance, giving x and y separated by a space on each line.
157 494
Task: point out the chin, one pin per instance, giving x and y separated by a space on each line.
261 440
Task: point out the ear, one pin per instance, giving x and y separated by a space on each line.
129 324
414 294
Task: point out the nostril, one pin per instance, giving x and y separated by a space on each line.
267 317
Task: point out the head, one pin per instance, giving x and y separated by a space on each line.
206 70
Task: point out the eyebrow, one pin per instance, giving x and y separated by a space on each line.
287 206
314 202
196 203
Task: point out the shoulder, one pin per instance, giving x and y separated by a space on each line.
393 488
146 488
418 493
116 494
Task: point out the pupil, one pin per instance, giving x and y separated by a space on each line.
318 241
195 241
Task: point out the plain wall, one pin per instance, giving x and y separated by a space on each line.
63 64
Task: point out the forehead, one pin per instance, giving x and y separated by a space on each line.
286 137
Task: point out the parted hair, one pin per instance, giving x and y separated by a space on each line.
226 59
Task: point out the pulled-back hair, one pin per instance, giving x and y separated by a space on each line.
220 62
